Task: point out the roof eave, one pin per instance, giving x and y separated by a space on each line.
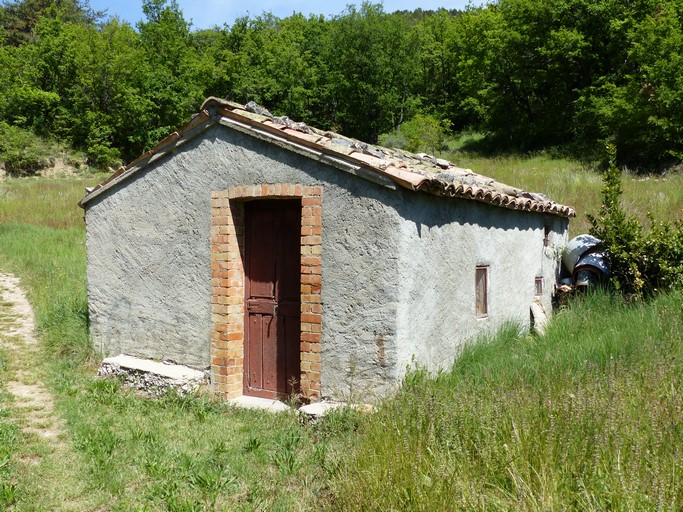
194 127
317 145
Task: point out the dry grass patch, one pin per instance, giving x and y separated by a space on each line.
578 185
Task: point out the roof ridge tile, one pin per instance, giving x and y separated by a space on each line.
419 171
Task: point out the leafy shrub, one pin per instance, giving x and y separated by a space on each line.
422 132
102 156
425 131
642 261
100 152
22 151
33 108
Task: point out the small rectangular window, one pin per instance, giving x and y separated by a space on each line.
539 286
546 235
481 287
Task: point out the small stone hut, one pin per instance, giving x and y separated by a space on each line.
289 259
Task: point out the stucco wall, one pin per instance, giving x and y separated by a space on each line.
149 257
361 244
440 250
398 266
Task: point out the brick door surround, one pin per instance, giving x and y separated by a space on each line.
227 284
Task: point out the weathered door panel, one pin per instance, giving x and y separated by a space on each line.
272 257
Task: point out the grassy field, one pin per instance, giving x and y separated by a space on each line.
577 185
174 454
587 417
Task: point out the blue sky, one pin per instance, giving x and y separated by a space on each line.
208 13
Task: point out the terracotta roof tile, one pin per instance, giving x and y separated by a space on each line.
310 137
370 160
420 172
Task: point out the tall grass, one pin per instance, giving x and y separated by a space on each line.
587 417
44 202
128 452
42 240
9 432
579 184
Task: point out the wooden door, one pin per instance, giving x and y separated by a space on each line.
273 297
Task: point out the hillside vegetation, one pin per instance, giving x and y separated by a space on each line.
528 74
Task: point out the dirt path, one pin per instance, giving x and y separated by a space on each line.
49 473
33 401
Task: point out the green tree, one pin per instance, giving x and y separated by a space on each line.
544 72
438 57
18 18
283 68
109 109
527 62
174 74
372 62
39 99
640 108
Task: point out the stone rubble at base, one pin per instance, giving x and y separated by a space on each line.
153 377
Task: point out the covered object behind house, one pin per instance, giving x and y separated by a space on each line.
288 259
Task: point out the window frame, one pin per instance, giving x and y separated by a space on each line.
547 230
481 297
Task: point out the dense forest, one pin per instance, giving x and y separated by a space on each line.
528 74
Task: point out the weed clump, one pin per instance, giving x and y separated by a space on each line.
643 262
23 152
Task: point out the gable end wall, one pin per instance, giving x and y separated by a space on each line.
149 259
